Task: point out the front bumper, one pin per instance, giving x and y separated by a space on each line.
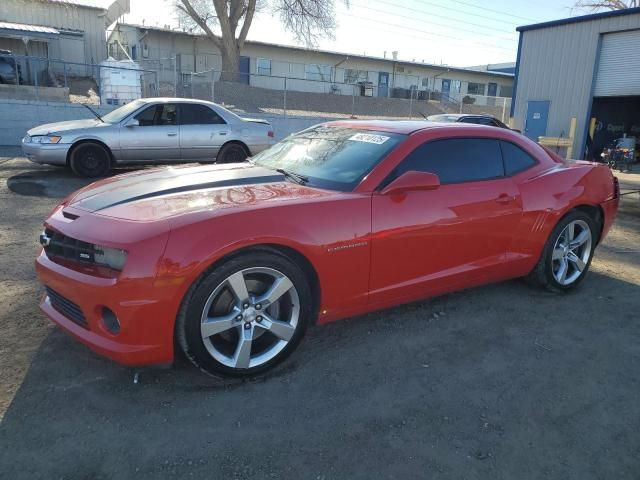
146 336
51 154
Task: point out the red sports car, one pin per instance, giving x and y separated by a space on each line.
232 262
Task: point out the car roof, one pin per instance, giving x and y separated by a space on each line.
405 127
176 99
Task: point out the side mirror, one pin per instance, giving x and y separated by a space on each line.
132 123
412 181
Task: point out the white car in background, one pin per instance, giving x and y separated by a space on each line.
146 131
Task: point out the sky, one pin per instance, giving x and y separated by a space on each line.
450 32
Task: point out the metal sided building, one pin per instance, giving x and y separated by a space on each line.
584 67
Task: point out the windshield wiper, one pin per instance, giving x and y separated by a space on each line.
93 111
296 177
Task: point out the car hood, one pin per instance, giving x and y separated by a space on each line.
60 127
171 191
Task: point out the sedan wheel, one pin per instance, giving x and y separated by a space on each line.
232 153
246 316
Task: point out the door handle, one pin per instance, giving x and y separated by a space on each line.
172 134
223 133
504 198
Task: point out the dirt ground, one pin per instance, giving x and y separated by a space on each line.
499 382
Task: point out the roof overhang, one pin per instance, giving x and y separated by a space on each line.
582 18
18 30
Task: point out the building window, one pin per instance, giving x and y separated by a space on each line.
456 86
425 82
314 71
355 76
475 89
134 52
263 66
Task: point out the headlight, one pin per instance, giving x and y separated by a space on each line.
110 257
45 139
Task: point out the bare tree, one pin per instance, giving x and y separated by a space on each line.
308 20
607 4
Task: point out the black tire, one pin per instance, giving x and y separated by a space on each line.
90 160
543 273
232 153
189 320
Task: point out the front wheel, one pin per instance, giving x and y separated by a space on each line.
90 160
246 316
567 255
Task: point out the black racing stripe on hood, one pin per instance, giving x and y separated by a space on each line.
156 183
202 186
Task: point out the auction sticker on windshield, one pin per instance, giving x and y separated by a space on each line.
369 138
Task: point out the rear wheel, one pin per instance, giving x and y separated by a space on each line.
567 255
232 153
90 160
246 316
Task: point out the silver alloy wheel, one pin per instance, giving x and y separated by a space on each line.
253 301
571 252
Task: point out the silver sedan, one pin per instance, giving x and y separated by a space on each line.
153 130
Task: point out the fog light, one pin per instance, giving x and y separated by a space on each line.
110 321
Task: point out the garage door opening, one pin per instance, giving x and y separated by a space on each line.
616 117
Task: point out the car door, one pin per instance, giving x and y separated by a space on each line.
202 132
155 137
426 242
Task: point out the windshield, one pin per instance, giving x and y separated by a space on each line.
336 158
121 113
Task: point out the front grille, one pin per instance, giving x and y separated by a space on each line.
67 308
61 246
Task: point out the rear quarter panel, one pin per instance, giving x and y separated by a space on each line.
549 196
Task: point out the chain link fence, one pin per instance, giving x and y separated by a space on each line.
44 79
310 94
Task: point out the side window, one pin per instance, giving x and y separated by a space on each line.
456 160
516 160
193 114
164 114
480 120
147 117
169 115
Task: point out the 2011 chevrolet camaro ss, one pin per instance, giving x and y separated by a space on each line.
230 263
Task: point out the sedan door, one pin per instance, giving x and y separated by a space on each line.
155 137
427 242
202 132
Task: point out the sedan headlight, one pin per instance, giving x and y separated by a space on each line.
110 257
45 139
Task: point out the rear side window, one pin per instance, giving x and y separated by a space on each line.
516 160
456 160
192 114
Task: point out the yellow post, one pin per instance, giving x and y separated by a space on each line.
572 136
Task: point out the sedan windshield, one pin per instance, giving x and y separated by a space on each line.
336 158
121 113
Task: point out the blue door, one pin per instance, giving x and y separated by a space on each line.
383 84
446 89
244 70
493 90
537 116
